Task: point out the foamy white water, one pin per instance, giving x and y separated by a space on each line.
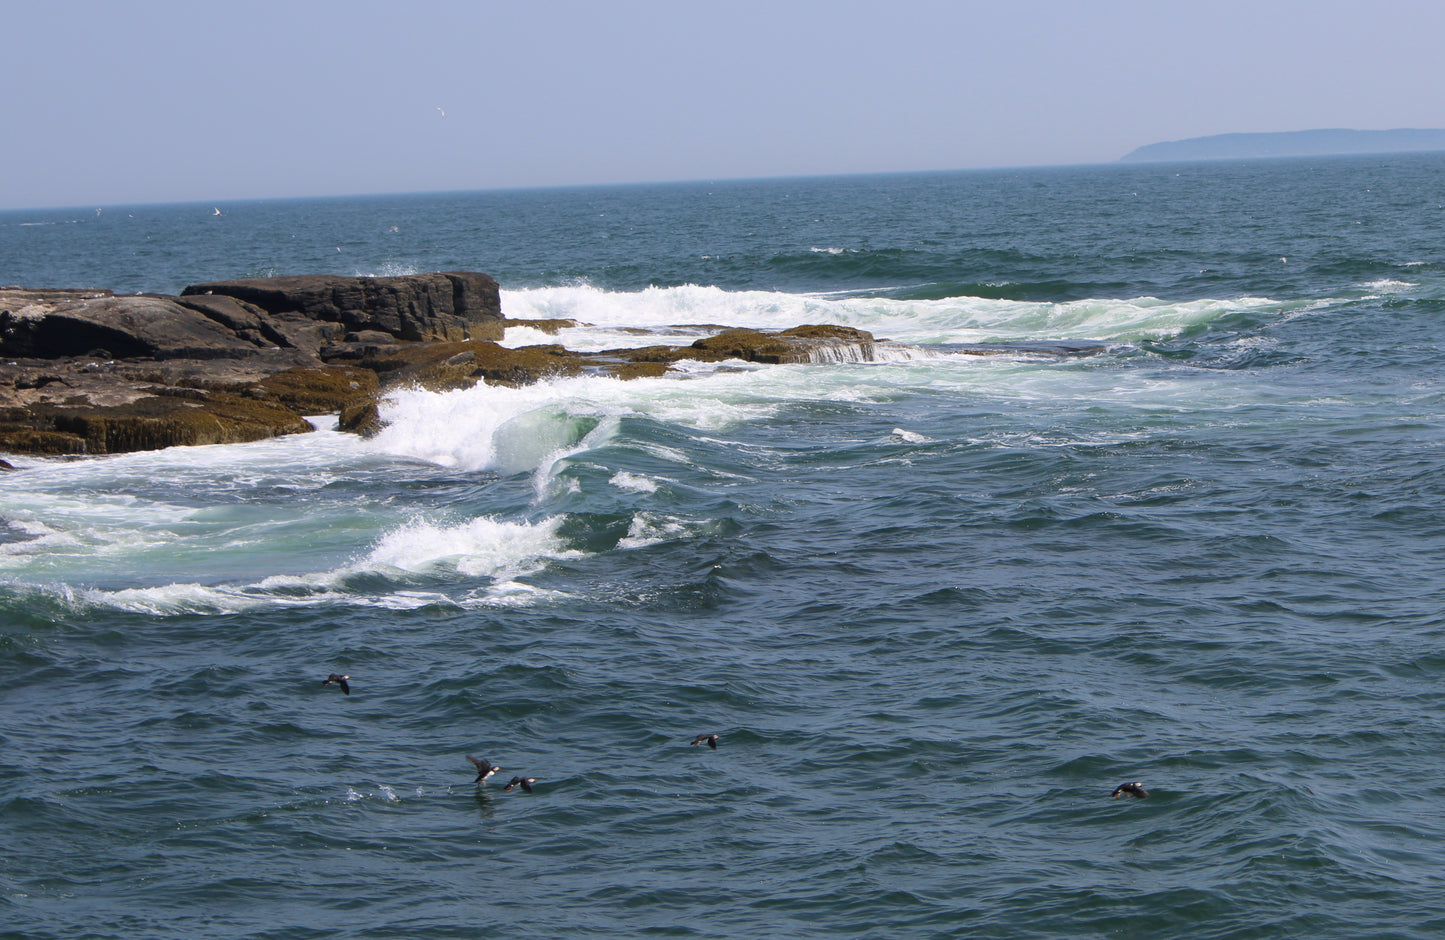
611 319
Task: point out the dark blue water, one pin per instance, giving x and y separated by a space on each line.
936 607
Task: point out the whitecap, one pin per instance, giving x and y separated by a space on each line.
648 529
478 549
632 482
1388 285
618 315
511 594
390 269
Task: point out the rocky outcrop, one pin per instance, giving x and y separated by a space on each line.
444 307
136 327
91 407
813 343
89 372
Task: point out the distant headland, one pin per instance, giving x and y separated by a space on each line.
1316 143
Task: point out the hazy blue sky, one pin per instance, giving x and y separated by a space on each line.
124 102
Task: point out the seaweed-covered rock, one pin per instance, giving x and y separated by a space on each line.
148 423
811 343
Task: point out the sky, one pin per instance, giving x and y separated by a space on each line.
109 102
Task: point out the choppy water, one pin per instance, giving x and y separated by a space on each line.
936 607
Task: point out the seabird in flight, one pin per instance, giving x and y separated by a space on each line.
710 739
484 769
1130 789
337 679
524 782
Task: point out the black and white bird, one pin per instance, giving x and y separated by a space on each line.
709 739
1135 789
484 769
337 678
524 782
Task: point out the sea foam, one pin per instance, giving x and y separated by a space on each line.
417 554
619 319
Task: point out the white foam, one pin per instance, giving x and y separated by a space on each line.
1388 285
483 547
518 336
505 430
511 594
632 482
535 428
648 529
170 599
41 539
390 269
950 320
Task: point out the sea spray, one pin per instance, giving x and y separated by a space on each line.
614 319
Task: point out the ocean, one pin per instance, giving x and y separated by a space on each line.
936 607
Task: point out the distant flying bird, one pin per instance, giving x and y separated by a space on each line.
711 740
484 769
337 678
215 211
444 114
1135 789
524 782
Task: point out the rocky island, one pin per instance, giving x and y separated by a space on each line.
86 372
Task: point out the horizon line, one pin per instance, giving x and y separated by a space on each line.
1120 162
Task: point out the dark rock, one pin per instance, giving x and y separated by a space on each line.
238 317
93 373
360 418
371 338
443 307
119 327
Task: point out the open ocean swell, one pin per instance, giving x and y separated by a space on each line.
936 607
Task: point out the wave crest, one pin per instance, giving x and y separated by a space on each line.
617 319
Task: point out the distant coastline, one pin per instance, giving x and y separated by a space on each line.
1314 143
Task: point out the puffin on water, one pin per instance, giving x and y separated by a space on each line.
337 678
1135 789
709 739
524 782
484 769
